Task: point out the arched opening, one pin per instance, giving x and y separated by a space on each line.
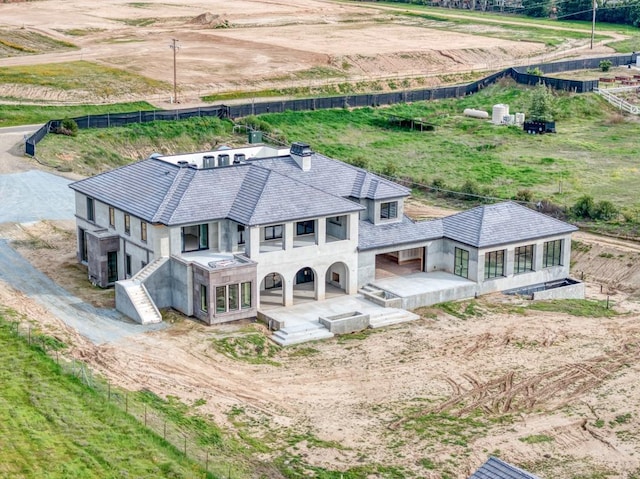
304 285
272 291
337 280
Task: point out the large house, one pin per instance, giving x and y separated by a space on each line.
222 235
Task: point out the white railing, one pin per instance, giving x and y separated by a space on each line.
617 101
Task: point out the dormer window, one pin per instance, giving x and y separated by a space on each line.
389 210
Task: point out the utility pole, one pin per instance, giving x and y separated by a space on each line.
175 47
593 22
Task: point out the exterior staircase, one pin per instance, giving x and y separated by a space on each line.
301 333
134 297
145 308
149 269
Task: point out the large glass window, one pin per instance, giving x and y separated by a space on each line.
127 224
233 297
112 266
389 210
523 260
272 232
494 264
221 299
552 255
91 209
245 295
112 217
195 238
305 227
84 250
461 263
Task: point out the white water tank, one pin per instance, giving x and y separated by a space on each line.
499 112
476 113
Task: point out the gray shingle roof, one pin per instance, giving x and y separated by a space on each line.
501 223
339 178
494 468
402 233
160 192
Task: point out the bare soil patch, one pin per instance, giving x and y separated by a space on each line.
243 45
549 391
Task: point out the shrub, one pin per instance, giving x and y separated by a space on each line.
68 127
390 169
524 195
584 207
534 71
439 184
470 187
605 65
605 211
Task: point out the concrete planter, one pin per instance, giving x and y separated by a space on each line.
345 323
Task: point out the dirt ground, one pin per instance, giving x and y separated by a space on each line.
251 44
555 393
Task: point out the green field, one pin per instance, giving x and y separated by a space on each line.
53 426
594 151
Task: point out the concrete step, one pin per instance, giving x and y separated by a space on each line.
301 333
144 305
392 317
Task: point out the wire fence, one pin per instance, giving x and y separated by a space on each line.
181 438
519 74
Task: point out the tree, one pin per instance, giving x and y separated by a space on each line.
536 8
584 207
542 104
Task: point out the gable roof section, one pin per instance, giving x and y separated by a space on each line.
501 223
494 468
341 179
138 188
391 234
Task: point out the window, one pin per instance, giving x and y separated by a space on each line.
241 239
128 264
461 263
112 266
84 252
204 299
195 238
112 217
91 209
272 232
494 264
221 299
233 297
552 255
523 260
127 224
143 231
389 210
245 295
305 227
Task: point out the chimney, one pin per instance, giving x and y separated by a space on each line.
301 153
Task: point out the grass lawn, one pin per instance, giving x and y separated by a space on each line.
12 115
53 426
